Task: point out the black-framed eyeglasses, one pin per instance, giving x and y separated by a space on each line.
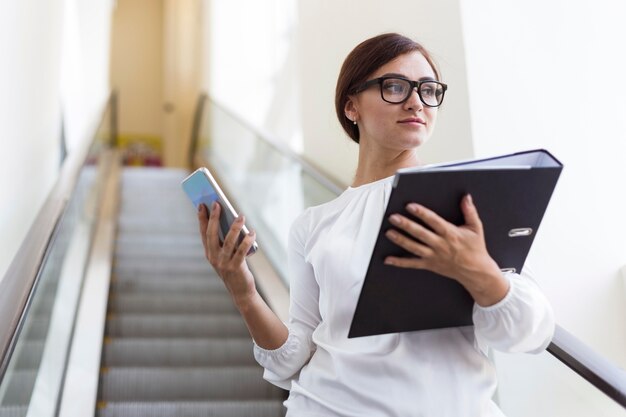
397 90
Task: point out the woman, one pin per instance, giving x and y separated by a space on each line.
387 100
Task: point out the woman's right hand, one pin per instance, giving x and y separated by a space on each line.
228 259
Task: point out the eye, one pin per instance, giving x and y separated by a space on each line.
430 90
395 87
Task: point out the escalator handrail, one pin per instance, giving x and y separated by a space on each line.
20 280
264 136
606 376
195 129
590 365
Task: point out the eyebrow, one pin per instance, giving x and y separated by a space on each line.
394 74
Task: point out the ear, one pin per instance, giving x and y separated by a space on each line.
350 109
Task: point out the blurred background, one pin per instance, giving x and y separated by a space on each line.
521 75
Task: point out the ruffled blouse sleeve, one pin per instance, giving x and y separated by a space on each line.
522 322
284 364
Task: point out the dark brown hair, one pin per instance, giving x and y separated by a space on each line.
365 59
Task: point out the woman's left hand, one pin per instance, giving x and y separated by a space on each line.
457 252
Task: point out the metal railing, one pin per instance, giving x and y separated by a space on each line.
591 366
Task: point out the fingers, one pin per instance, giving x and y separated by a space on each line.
244 247
432 219
408 244
232 237
213 242
413 263
415 229
226 252
203 223
470 213
439 224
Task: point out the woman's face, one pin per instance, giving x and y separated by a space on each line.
395 127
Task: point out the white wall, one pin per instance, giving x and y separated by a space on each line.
40 41
30 41
250 63
551 75
84 66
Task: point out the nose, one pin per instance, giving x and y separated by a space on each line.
413 102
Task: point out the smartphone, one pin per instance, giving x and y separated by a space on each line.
202 188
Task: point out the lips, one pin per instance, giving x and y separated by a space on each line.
413 120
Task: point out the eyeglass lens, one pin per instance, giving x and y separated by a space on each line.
397 90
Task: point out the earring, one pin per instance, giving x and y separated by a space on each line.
354 122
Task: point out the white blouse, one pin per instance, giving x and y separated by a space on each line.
430 373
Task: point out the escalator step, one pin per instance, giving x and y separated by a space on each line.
155 242
139 213
169 285
183 255
178 352
208 274
157 232
163 263
149 227
139 175
171 303
176 325
200 268
259 408
194 383
161 252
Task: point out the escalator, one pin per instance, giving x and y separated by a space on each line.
174 343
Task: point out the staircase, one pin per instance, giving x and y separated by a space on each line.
174 343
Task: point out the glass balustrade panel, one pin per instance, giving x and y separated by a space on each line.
34 374
268 187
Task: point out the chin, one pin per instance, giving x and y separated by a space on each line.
417 142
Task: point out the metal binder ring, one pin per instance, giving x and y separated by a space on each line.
505 270
524 231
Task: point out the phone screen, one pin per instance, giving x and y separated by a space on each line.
201 191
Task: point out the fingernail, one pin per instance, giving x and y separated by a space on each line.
388 261
412 207
199 208
469 199
214 205
394 218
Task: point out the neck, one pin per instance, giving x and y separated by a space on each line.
374 166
